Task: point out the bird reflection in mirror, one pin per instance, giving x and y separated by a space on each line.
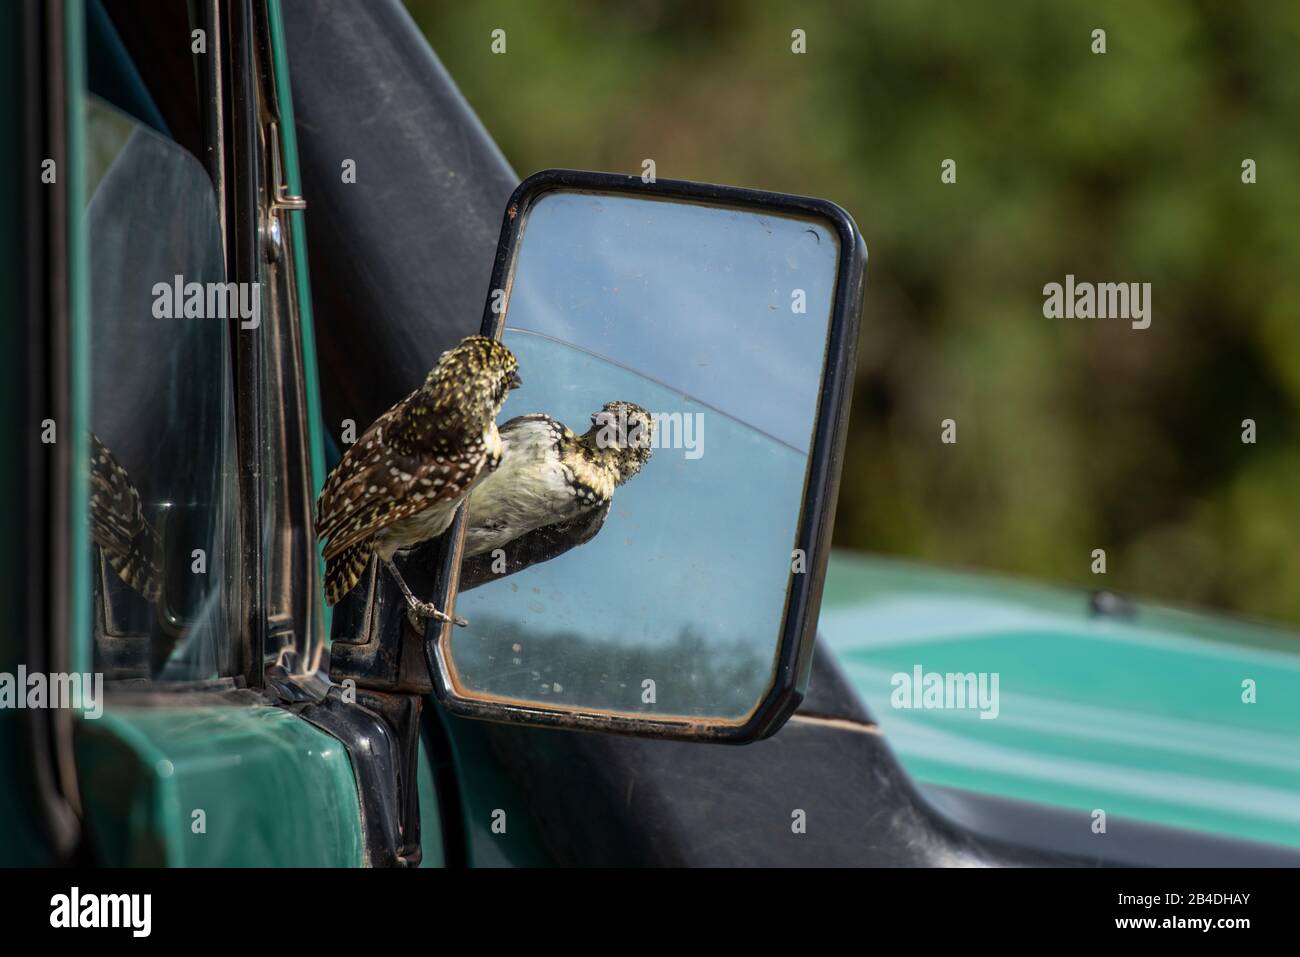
553 488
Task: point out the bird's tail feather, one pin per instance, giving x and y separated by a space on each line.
344 570
139 564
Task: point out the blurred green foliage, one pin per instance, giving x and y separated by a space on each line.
1123 166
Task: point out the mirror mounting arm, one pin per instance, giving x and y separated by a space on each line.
377 663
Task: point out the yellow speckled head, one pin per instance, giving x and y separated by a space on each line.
625 431
628 425
474 377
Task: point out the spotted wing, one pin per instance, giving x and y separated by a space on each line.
384 478
118 524
534 547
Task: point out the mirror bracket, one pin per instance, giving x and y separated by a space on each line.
373 642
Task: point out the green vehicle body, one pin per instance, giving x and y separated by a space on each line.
1139 715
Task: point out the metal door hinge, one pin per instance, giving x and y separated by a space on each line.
281 199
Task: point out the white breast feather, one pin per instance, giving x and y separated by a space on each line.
529 489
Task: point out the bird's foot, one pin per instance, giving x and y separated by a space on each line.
421 611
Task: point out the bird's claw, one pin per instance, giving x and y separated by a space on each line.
421 611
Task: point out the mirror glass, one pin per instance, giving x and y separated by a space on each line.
667 597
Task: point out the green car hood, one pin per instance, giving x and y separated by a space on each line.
1140 714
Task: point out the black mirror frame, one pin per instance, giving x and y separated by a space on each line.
821 484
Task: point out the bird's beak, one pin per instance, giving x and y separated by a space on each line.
515 380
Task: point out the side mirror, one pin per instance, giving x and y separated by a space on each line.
648 558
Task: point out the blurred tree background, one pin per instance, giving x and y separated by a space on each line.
1116 167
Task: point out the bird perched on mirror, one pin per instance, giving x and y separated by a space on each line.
126 539
400 483
550 474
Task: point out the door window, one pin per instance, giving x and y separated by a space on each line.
164 503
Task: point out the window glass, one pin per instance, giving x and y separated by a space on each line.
163 465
